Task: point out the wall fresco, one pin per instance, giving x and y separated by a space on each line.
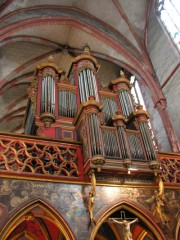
71 201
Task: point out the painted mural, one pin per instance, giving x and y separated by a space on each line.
71 201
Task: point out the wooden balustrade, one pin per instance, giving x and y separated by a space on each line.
43 158
169 167
39 157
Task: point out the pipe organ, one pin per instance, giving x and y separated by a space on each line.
72 107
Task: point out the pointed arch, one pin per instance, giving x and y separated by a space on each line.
50 215
178 229
142 214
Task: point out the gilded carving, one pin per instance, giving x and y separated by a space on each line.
32 91
92 194
20 156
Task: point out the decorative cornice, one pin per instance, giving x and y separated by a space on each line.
83 105
49 64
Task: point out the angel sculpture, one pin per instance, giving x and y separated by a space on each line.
159 200
159 203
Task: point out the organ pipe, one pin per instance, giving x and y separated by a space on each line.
109 108
87 85
29 120
135 147
122 140
126 103
48 95
94 131
111 148
67 103
144 129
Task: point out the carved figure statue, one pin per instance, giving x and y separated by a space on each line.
126 226
92 193
91 206
159 202
122 73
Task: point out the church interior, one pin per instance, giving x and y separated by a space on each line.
89 123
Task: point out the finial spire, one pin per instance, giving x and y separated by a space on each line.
122 73
86 49
50 59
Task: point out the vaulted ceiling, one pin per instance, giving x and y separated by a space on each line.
30 31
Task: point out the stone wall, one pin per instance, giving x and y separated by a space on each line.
165 58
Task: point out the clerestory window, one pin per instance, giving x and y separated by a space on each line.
138 99
169 13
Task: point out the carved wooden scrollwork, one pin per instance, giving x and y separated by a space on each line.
27 157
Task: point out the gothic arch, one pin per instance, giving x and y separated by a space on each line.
141 214
25 212
178 229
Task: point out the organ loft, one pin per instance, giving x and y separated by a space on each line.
75 107
87 156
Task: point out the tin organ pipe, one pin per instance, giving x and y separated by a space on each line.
122 142
89 82
64 102
67 103
125 103
145 127
81 87
145 141
92 136
136 147
95 85
115 108
48 95
92 84
29 120
105 109
122 105
53 96
97 130
42 97
95 135
148 150
109 108
85 86
128 101
79 83
45 95
110 143
131 145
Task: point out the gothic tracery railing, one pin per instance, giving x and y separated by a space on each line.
38 157
170 167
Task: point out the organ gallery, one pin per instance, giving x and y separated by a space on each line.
86 166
